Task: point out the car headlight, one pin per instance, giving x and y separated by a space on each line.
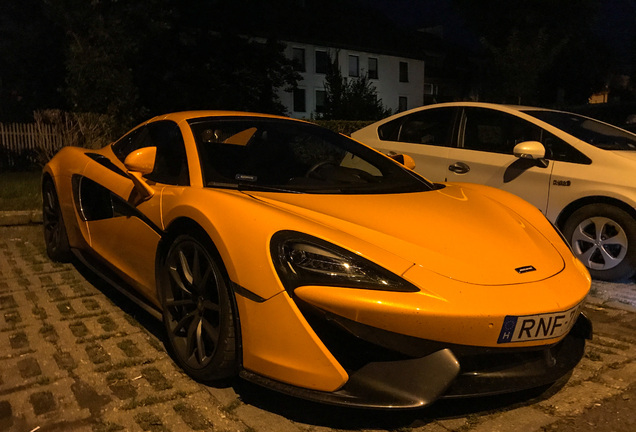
301 259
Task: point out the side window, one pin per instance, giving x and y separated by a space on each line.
558 150
171 166
430 127
496 132
131 142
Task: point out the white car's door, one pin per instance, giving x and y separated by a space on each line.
484 155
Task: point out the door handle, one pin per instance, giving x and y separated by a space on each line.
459 168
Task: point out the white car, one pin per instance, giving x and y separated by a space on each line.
580 172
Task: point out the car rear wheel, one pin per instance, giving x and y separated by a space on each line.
55 237
197 312
603 237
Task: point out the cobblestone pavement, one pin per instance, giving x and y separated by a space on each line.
75 356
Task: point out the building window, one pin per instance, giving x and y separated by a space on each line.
299 100
298 56
404 72
322 62
431 89
403 104
373 68
354 66
321 97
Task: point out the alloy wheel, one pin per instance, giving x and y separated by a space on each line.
600 243
193 303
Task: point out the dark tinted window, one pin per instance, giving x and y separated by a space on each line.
170 163
591 131
431 127
495 131
558 150
290 156
498 132
130 142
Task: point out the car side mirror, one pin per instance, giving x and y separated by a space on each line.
529 150
404 159
141 160
533 150
139 163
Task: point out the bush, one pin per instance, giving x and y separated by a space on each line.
86 130
345 127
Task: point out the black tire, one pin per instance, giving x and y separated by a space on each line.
197 312
55 236
603 237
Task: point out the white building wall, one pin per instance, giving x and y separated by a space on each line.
388 86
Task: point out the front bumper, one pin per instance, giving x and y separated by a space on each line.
387 370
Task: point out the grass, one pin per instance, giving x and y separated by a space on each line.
20 190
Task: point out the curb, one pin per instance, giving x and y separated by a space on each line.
20 217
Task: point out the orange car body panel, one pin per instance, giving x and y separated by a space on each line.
467 276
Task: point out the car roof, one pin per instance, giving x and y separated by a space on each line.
188 115
484 105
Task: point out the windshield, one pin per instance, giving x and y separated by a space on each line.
255 153
591 131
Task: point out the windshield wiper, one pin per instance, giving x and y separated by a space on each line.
256 187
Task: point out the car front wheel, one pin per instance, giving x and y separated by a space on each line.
197 312
603 237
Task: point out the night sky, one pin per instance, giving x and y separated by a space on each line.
616 22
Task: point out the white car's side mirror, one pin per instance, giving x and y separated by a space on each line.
529 150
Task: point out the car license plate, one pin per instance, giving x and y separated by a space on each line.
537 327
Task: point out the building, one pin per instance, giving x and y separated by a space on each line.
399 81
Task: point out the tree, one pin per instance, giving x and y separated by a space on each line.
31 73
536 50
103 40
128 63
350 98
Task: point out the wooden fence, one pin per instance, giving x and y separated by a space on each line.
27 143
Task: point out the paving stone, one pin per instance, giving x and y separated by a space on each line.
192 416
49 333
19 340
29 368
78 329
123 389
107 323
42 402
65 360
148 421
91 304
88 397
129 348
156 378
7 302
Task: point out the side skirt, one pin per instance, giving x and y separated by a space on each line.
114 281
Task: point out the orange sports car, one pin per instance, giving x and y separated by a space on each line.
306 262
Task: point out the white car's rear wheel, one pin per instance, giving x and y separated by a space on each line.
603 237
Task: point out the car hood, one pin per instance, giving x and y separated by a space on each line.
456 232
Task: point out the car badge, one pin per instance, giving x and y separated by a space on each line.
525 269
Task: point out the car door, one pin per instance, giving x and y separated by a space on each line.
124 227
425 135
484 155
